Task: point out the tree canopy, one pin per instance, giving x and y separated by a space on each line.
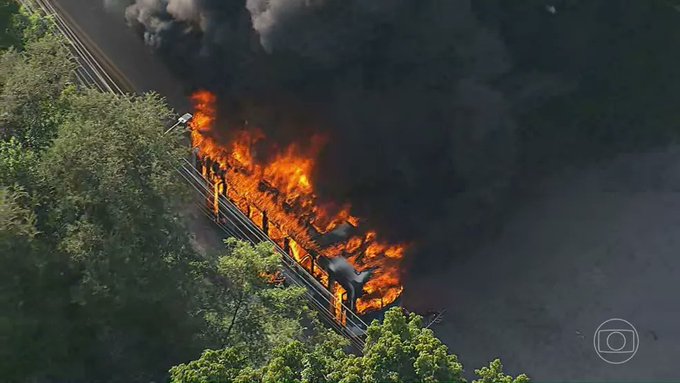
397 350
102 282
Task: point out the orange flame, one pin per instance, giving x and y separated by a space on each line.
283 188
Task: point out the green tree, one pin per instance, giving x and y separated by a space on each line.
494 374
34 291
264 329
16 163
245 309
33 297
110 203
328 362
234 311
401 350
31 84
105 282
286 364
29 27
8 36
214 366
17 232
18 26
398 349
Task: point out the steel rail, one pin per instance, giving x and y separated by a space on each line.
292 272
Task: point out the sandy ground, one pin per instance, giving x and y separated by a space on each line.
591 245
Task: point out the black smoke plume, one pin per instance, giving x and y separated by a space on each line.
422 140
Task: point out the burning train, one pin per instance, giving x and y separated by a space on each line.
361 272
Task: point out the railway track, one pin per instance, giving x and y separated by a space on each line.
96 71
90 71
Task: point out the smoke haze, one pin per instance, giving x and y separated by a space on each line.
422 141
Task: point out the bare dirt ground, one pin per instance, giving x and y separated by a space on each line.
592 245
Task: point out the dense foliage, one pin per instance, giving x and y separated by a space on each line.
8 36
397 350
101 282
99 278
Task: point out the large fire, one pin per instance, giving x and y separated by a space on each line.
280 191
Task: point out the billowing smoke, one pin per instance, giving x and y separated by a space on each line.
159 16
421 141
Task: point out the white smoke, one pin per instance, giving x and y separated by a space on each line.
269 16
184 10
326 30
158 16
